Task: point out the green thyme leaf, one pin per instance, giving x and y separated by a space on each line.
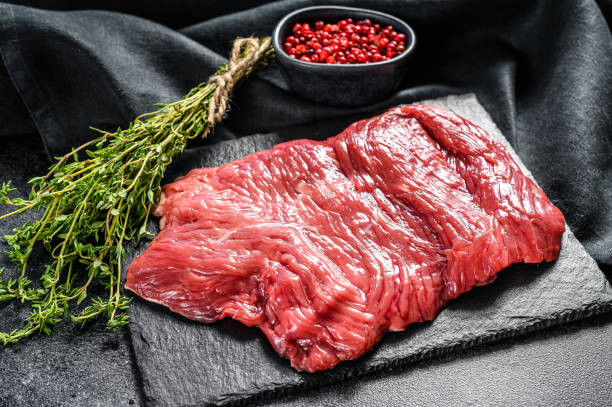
90 207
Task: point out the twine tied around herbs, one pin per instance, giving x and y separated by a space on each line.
246 52
93 205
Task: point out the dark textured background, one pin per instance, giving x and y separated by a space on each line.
543 69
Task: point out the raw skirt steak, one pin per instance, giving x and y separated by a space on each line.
327 245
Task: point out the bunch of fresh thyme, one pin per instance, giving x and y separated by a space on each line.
91 207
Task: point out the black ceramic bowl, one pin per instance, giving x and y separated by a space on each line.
347 84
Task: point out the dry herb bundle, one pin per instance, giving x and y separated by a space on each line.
92 206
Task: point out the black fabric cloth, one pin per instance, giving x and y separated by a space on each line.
543 69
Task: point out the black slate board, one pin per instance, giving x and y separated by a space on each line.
186 363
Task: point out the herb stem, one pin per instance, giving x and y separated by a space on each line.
94 205
18 211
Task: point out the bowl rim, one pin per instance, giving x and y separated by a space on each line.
276 40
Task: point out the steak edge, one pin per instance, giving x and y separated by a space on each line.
325 246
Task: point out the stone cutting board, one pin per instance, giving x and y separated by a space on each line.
187 363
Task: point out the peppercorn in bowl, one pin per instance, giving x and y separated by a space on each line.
343 56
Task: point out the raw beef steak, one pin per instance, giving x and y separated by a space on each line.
327 245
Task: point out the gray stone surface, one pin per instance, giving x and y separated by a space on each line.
73 366
570 365
185 363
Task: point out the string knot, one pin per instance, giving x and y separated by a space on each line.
245 53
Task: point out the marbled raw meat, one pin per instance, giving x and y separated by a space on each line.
325 246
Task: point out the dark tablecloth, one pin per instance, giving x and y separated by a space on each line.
543 69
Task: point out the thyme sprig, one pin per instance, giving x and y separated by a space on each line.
91 207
